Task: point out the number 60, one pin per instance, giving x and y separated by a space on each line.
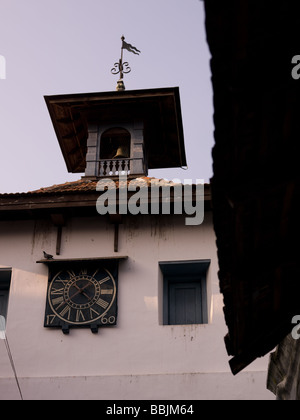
111 320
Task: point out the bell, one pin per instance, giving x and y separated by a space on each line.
122 152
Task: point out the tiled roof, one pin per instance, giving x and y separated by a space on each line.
86 186
68 187
78 197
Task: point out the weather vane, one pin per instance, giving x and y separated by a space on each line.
123 67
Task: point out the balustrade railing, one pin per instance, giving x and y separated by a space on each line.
114 167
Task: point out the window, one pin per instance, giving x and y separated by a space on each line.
5 278
184 292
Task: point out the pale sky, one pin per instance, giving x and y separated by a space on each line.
56 47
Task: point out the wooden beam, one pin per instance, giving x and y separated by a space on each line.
79 260
58 241
116 240
59 221
116 220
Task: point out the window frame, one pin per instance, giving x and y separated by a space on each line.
185 272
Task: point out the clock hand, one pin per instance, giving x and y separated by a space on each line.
80 290
86 295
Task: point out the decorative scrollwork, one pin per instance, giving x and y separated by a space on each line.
116 68
121 68
126 68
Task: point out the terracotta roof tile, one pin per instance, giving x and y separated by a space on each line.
85 185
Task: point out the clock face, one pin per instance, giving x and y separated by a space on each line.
81 297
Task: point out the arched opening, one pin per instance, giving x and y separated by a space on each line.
115 144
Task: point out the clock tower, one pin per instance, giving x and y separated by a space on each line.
105 135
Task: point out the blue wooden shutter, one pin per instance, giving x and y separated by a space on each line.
185 303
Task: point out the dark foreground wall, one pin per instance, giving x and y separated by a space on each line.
256 182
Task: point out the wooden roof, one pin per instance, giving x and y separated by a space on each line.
159 109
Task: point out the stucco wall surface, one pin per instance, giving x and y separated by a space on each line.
139 358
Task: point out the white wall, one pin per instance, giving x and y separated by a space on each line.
137 359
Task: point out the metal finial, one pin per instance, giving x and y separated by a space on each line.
123 67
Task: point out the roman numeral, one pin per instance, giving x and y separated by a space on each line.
71 273
107 292
57 292
102 303
83 272
104 280
66 311
79 315
92 311
59 280
58 301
